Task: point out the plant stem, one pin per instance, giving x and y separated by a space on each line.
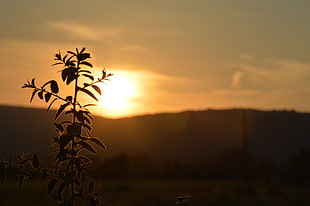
73 139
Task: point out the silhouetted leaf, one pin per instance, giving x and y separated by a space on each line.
62 187
64 74
64 58
80 116
57 63
82 50
87 127
69 98
89 115
89 76
88 92
59 127
74 130
32 82
51 185
83 56
70 52
87 146
40 94
49 106
58 56
47 96
87 64
97 89
2 172
21 182
35 160
88 105
69 112
91 186
104 74
99 190
61 108
86 71
25 161
33 94
98 142
54 86
64 140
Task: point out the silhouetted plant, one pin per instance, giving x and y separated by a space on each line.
69 181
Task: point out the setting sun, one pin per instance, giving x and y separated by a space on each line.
116 93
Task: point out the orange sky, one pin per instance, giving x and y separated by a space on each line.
180 55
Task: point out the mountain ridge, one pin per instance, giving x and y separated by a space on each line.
183 136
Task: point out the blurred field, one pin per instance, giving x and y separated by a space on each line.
163 193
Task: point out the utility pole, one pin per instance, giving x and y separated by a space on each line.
245 145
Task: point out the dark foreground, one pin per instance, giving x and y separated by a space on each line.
163 193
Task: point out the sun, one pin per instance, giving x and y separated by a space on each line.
116 93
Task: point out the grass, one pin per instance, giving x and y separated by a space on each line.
163 193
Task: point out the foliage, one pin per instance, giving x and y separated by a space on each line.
69 181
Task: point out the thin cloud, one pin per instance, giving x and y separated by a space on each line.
236 78
83 31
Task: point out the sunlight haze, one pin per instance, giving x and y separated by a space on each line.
169 55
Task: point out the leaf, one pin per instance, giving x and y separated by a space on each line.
86 71
89 76
96 88
59 127
83 56
69 112
87 64
35 160
54 86
61 108
49 106
2 172
57 63
88 105
64 58
51 185
58 56
62 187
25 161
21 182
64 74
99 189
64 140
98 142
40 94
47 96
87 146
32 82
91 186
69 98
88 92
33 94
70 52
83 50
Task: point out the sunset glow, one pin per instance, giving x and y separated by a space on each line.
116 93
169 57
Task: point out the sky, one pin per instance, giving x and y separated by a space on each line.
177 54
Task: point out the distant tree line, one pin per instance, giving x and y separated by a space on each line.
229 165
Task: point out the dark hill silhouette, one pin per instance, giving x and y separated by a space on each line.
188 136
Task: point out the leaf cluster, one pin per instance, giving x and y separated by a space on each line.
70 181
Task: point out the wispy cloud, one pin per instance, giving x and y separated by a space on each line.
84 31
236 78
